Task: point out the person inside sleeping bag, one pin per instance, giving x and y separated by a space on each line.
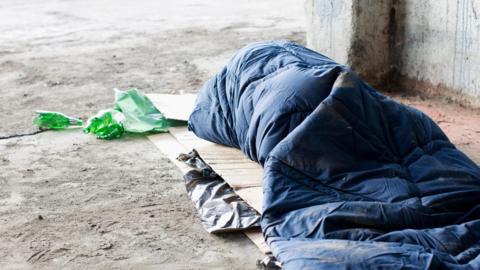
352 179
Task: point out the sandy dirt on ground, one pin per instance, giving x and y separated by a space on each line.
461 124
70 201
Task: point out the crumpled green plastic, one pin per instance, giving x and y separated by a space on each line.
140 114
106 124
133 112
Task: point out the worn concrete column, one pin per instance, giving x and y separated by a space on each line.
438 47
353 32
429 46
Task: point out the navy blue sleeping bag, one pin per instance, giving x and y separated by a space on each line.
352 179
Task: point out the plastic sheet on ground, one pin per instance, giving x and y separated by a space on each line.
133 112
219 208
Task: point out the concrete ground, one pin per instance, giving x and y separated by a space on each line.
70 201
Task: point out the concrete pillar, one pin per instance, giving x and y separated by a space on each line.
428 45
439 45
353 32
329 27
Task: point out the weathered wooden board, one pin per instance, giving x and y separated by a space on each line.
171 147
253 196
230 163
256 236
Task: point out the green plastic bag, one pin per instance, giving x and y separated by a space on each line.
133 112
106 124
140 114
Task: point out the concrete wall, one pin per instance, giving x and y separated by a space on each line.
352 32
325 20
433 42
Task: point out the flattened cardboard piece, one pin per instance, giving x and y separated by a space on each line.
177 107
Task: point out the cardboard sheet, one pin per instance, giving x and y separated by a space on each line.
177 107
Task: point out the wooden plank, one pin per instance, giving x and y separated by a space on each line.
189 139
178 107
230 163
256 236
253 196
171 147
246 182
238 181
